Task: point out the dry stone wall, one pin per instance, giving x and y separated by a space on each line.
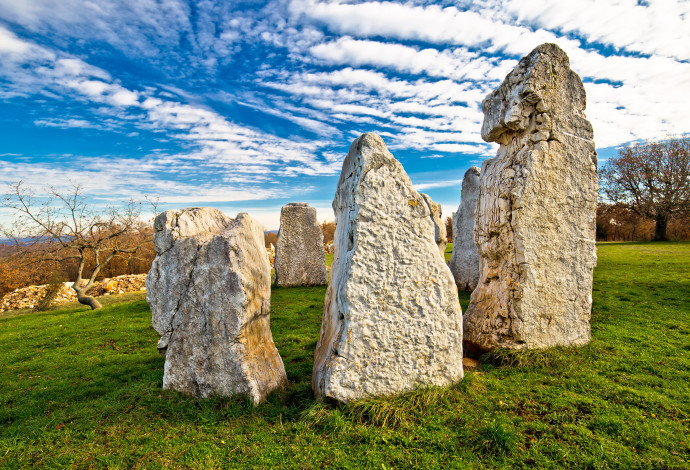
535 221
392 320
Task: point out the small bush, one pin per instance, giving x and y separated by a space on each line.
56 282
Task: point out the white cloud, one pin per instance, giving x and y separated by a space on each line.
67 123
654 27
415 74
459 148
220 150
431 24
645 102
216 139
117 179
11 46
197 195
438 184
431 156
447 113
457 63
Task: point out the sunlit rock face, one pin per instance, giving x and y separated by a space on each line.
535 220
300 259
392 321
439 226
464 264
209 289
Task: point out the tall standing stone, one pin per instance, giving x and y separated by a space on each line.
209 289
464 264
300 259
391 320
535 222
439 226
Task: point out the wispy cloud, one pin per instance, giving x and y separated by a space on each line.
69 123
214 142
235 100
438 184
456 63
432 24
659 28
485 38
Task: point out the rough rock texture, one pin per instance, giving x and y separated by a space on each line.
535 221
300 259
271 252
464 264
439 227
209 289
391 320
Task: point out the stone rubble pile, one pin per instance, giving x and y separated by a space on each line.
119 285
28 297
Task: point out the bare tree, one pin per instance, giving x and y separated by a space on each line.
652 179
328 230
61 227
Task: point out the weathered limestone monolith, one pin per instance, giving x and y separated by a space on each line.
535 221
439 227
391 320
300 259
464 264
209 289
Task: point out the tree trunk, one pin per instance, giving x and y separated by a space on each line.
84 299
660 228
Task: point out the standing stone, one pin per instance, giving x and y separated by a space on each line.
439 226
300 259
392 321
464 264
209 289
535 221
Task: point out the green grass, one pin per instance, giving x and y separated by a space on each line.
82 389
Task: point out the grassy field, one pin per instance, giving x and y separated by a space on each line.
82 389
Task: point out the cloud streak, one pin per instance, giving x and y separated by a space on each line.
221 101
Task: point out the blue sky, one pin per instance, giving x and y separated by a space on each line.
249 105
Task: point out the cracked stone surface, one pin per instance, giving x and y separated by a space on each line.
209 291
392 321
300 259
464 264
535 220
